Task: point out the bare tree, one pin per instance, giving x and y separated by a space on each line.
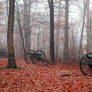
88 29
21 31
58 29
27 29
66 40
11 56
83 24
51 30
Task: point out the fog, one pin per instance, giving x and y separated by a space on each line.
39 25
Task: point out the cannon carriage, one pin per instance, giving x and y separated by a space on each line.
35 56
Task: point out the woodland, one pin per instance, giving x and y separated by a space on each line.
45 46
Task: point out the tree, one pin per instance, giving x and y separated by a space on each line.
58 29
21 31
83 25
27 29
51 7
88 31
66 48
11 56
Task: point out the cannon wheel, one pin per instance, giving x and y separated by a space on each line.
85 64
29 60
42 53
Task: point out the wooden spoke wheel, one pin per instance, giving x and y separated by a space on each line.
86 64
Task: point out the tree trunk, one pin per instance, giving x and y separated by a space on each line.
66 40
51 30
83 24
58 29
88 29
21 32
11 56
27 29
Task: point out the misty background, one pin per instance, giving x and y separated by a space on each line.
33 16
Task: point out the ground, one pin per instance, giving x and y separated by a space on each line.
43 78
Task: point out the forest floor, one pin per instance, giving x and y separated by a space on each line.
43 78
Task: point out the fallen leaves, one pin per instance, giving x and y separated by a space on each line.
43 78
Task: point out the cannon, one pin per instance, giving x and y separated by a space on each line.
86 64
35 56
